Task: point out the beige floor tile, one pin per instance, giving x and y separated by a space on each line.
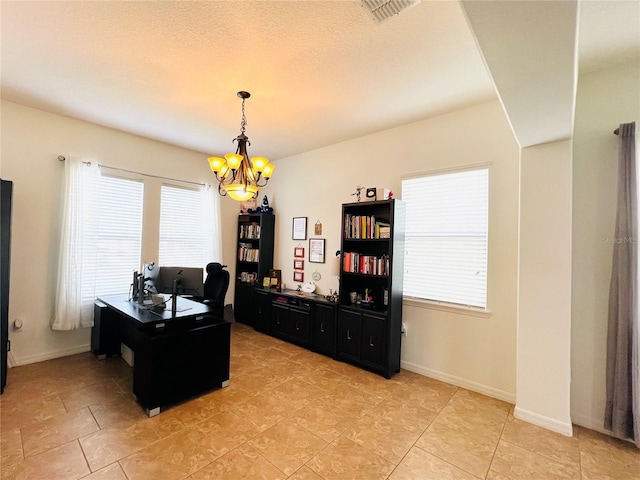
473 422
410 415
123 412
469 450
520 464
258 381
606 458
228 397
243 463
20 412
287 445
65 462
542 441
491 408
176 456
224 432
97 393
41 436
263 410
324 419
112 472
388 439
106 446
493 475
305 473
430 394
296 393
10 446
345 459
419 464
352 400
326 379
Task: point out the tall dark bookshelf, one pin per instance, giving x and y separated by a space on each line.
372 264
254 259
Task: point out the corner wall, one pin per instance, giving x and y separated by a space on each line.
474 352
31 142
604 101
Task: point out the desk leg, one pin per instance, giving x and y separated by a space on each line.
153 412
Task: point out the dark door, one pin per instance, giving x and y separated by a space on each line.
349 335
373 336
6 189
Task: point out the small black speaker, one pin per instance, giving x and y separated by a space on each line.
371 194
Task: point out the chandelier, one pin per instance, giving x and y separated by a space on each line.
236 175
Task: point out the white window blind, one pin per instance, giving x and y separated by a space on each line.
119 236
447 237
185 239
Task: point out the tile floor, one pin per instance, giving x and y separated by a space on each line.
288 413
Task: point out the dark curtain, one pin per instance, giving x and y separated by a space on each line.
621 414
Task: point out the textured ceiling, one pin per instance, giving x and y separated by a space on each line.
319 72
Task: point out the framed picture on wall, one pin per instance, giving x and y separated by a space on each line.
298 264
298 276
298 252
299 229
316 250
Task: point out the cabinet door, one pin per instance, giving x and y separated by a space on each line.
373 339
349 335
263 316
244 305
279 319
300 325
324 320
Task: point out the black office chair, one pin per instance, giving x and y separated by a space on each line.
215 287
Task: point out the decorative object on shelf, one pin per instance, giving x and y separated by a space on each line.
299 229
316 276
248 206
276 278
264 207
318 228
358 192
316 250
238 176
309 287
298 276
298 264
298 251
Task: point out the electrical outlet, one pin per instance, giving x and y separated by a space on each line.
17 325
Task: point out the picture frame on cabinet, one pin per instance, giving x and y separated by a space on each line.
316 250
299 228
298 264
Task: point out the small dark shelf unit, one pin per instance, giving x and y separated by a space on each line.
254 259
369 332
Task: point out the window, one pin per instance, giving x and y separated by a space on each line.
446 237
118 241
185 240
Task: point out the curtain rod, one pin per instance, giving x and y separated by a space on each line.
62 158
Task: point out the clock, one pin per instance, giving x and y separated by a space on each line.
370 194
316 275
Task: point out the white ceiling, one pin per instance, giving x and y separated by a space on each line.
319 72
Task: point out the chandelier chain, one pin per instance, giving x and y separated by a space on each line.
243 123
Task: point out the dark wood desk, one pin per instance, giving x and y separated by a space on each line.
174 357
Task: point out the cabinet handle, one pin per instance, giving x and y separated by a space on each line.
370 341
348 334
297 325
321 327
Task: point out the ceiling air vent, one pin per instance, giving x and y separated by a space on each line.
381 10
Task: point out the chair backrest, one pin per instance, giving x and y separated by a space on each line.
216 283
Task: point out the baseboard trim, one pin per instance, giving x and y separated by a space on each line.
41 357
544 422
460 382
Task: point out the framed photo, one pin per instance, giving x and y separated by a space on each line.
298 276
299 230
298 252
316 250
298 264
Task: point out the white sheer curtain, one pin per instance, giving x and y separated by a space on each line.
78 245
212 224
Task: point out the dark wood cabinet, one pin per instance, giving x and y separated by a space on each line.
324 322
371 275
254 259
304 319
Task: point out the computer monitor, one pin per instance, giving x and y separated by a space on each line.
189 280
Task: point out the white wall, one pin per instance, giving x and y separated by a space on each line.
605 100
31 142
544 287
479 353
